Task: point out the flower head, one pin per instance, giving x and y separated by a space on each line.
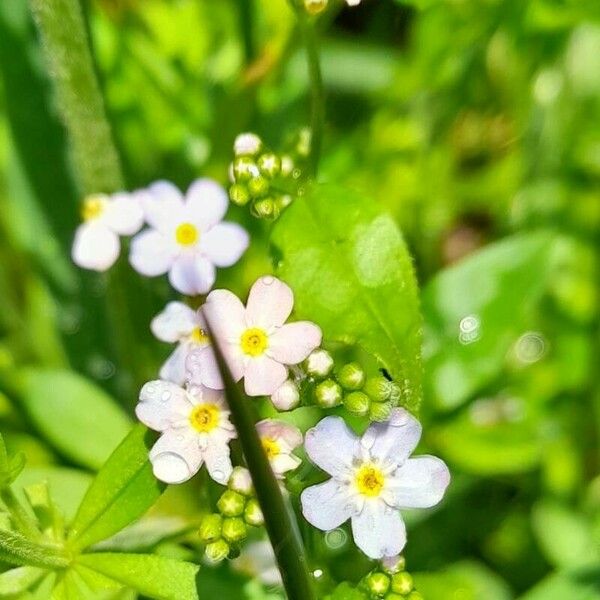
195 429
186 237
96 245
178 323
257 342
372 478
279 440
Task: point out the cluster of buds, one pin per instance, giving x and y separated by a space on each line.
263 179
224 531
390 581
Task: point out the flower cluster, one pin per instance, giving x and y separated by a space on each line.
389 581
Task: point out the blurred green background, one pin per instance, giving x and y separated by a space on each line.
475 123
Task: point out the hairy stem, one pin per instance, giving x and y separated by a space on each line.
24 522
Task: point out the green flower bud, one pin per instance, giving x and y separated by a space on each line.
358 403
394 564
239 194
352 376
395 393
258 186
380 411
287 165
217 551
231 504
240 481
247 144
378 388
265 209
269 164
415 596
402 583
328 393
392 596
234 529
319 363
314 7
283 201
244 169
210 528
253 514
377 583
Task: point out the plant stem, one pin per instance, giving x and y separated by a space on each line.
280 525
246 14
24 522
317 89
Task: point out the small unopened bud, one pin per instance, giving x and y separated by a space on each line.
258 186
380 411
328 393
394 564
231 504
253 514
234 529
244 169
287 165
319 363
286 397
352 376
217 551
414 596
247 144
358 403
378 388
402 583
210 528
283 201
240 481
269 164
314 7
239 194
377 583
265 209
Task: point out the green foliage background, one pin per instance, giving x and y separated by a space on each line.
474 123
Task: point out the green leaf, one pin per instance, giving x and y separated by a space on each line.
124 489
76 416
351 273
17 581
16 549
155 576
474 311
576 585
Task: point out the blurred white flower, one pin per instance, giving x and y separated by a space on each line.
186 237
372 477
96 245
179 323
286 396
195 429
257 343
353 2
258 560
279 440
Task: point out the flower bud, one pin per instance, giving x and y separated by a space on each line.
314 7
253 514
393 596
258 186
377 583
328 393
283 201
217 551
358 403
231 504
269 164
234 529
415 596
319 363
244 169
352 376
240 481
394 564
378 388
247 144
265 209
402 583
210 528
239 194
287 165
380 411
286 397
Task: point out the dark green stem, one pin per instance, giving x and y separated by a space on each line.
246 19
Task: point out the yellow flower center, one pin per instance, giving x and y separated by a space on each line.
93 207
369 480
186 234
271 447
254 341
205 417
199 336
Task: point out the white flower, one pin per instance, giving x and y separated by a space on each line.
241 481
195 429
279 440
353 2
179 323
286 396
247 143
372 477
255 340
96 245
186 237
258 560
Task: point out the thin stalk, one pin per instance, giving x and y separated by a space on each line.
246 19
281 526
24 522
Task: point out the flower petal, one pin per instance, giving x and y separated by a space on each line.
270 302
218 462
419 483
174 368
282 463
176 456
332 446
394 440
175 322
263 376
206 203
291 343
192 274
124 213
151 253
326 505
379 530
225 315
162 403
163 205
281 431
224 244
95 247
202 368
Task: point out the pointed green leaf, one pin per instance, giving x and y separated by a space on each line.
351 273
17 581
124 489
